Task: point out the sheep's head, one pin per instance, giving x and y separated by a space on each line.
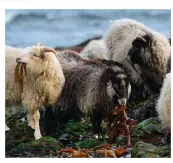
150 54
141 48
36 58
119 86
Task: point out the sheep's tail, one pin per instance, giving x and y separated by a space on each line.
19 76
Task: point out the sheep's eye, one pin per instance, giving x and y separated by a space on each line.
115 86
35 55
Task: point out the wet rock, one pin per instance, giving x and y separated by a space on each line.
121 140
65 139
151 126
19 132
143 109
89 143
76 128
146 150
15 109
78 48
43 147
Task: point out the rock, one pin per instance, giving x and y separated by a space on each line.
65 139
78 48
146 150
19 132
15 109
76 128
90 143
121 140
143 109
151 126
43 147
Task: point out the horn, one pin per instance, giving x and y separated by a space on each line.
38 44
46 49
141 38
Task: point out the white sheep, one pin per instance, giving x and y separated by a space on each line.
95 49
142 51
164 103
40 86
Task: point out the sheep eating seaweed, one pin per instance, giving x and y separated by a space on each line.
40 85
91 88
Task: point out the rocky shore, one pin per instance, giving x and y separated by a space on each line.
147 137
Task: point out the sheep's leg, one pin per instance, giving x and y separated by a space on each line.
96 122
50 121
31 120
36 117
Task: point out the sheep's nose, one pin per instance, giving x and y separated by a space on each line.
122 101
18 59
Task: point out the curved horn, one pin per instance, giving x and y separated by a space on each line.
141 38
38 44
47 49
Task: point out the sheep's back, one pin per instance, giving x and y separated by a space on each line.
121 33
95 49
82 86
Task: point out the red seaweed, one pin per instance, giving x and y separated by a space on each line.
119 123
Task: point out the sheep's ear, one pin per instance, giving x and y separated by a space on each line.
142 40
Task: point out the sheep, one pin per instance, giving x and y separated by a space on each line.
41 85
95 49
142 51
163 106
91 87
169 64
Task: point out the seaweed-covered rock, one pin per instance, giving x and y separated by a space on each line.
151 126
80 134
19 132
121 140
141 110
43 147
146 150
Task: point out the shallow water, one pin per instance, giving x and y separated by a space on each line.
70 27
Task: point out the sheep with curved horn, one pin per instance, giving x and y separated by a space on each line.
40 84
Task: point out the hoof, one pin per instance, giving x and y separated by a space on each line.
38 137
96 136
7 128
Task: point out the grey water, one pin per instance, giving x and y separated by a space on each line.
66 28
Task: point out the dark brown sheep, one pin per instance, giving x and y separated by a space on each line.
91 87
